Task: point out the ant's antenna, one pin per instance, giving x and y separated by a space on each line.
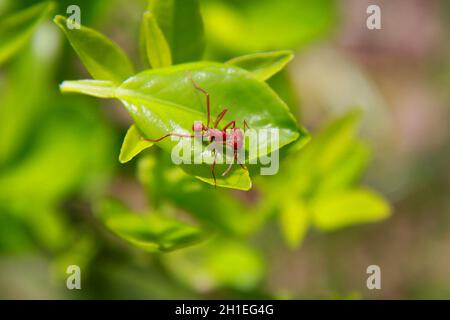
208 111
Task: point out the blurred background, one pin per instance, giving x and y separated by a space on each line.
59 165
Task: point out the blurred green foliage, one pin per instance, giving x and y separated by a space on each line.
320 184
236 27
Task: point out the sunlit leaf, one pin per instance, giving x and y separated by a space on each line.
164 101
152 232
323 156
331 143
182 25
348 169
104 59
172 90
334 211
96 88
263 65
133 144
16 30
294 220
154 42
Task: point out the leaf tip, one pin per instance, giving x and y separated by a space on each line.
59 20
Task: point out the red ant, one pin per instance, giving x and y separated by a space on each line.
233 139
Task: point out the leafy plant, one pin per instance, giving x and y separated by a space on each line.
151 232
163 100
58 182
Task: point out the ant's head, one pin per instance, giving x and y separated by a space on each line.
198 126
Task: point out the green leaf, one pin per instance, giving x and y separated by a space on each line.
151 232
294 221
155 45
104 59
171 96
332 143
347 170
324 156
263 65
334 211
16 30
182 25
96 88
133 144
165 100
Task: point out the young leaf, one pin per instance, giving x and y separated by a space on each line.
104 59
334 211
294 221
182 25
323 156
238 178
151 232
348 169
133 144
155 45
265 64
95 88
16 30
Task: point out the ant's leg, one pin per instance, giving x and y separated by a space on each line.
212 170
170 135
243 166
219 118
232 124
208 102
228 170
231 164
246 125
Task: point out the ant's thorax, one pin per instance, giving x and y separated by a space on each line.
233 137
